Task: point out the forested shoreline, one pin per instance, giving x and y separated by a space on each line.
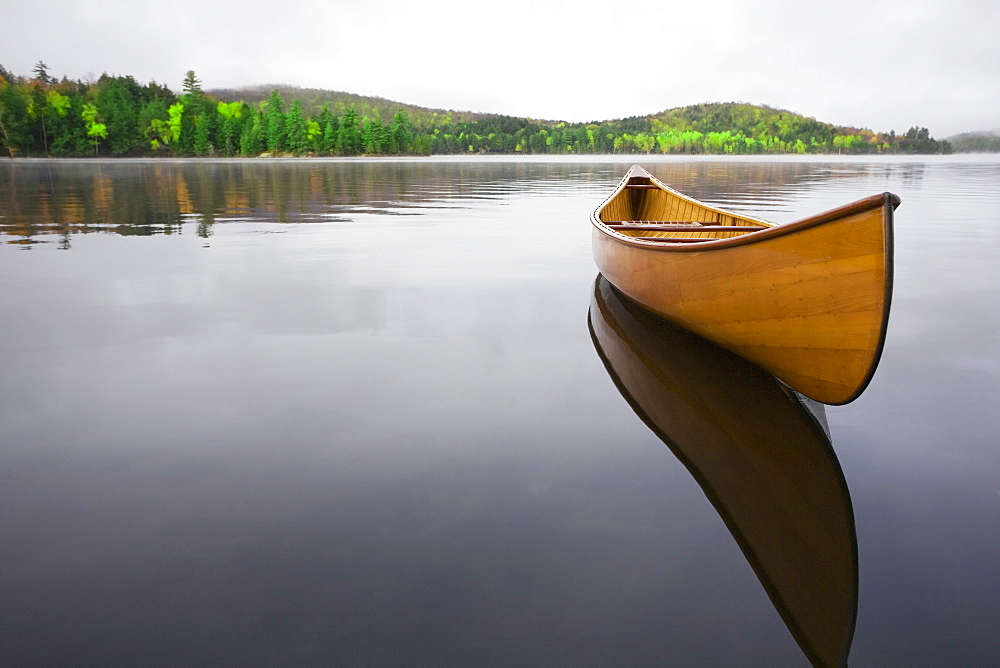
117 116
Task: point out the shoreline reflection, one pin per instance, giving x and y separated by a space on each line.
762 458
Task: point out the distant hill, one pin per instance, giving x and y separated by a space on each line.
749 120
715 128
368 106
976 142
707 117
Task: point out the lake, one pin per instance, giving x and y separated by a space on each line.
378 412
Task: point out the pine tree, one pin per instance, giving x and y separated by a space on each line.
252 140
402 133
192 84
275 114
331 131
296 133
349 141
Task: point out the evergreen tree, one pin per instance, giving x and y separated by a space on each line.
192 84
252 139
373 137
202 135
154 122
325 141
331 133
275 114
296 132
231 128
117 104
402 132
37 109
349 140
55 110
41 70
15 132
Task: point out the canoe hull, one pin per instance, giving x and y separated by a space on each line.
808 301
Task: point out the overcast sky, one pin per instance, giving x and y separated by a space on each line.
880 64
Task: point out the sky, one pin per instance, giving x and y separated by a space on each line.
877 64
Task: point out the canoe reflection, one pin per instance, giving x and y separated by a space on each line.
762 458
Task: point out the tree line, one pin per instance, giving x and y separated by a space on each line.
117 116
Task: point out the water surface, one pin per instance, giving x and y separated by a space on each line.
294 411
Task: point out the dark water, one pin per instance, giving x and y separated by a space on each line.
303 412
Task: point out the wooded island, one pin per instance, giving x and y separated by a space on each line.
116 116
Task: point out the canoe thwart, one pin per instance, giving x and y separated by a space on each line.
678 239
687 223
687 228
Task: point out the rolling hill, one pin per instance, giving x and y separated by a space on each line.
718 127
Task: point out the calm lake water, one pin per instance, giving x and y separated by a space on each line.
379 412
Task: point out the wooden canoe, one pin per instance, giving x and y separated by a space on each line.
762 457
807 301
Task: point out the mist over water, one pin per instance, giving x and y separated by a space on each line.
294 411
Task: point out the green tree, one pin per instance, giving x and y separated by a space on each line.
252 138
296 132
203 135
153 119
313 134
402 132
15 115
117 104
375 137
198 121
323 138
175 122
349 139
191 84
69 136
422 145
229 134
644 142
96 131
58 102
36 111
331 133
275 114
41 71
919 140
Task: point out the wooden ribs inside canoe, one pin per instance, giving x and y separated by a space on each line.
645 209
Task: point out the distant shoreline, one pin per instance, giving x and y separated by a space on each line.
116 116
500 157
